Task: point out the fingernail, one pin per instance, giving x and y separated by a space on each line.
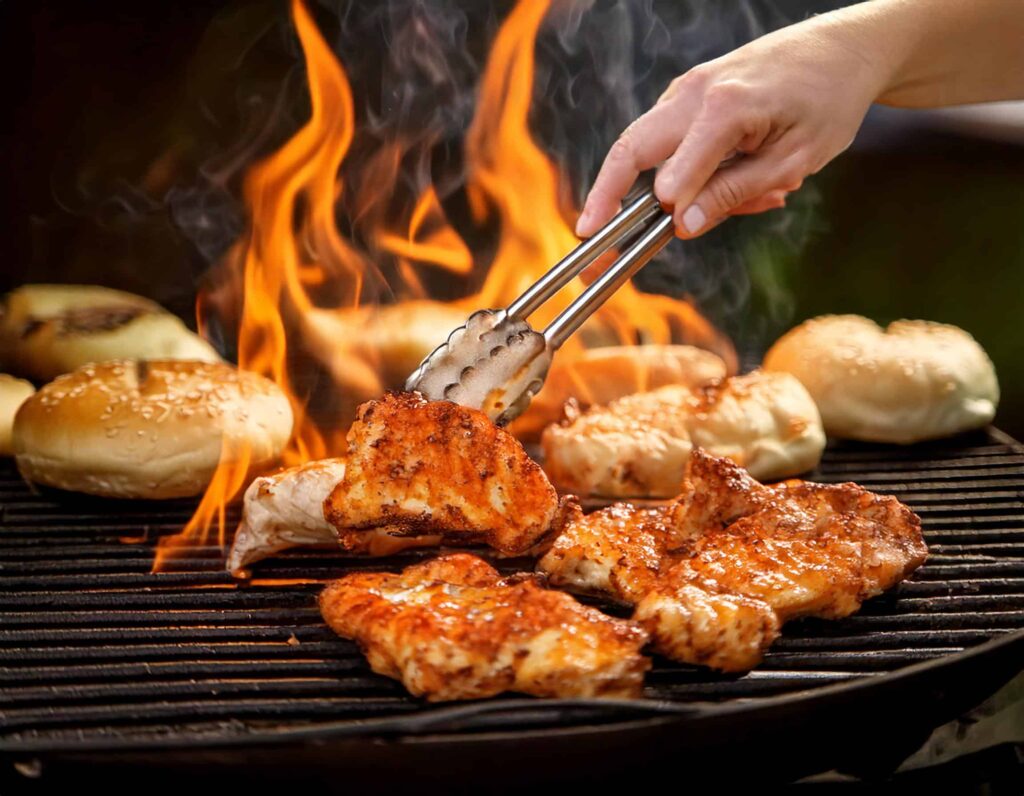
583 221
694 219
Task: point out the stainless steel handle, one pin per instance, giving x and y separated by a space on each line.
629 262
619 229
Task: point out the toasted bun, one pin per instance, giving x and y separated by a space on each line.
47 330
13 393
601 375
137 429
914 381
638 446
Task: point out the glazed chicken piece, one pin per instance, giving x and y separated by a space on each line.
419 468
287 510
725 566
453 628
621 550
616 552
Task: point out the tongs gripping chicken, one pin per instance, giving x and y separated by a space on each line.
497 362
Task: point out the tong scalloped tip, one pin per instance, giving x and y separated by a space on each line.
497 362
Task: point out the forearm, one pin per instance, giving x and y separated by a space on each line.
940 52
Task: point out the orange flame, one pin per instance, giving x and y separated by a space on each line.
293 261
280 263
439 244
510 173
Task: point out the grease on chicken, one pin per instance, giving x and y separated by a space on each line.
453 628
423 468
718 573
618 551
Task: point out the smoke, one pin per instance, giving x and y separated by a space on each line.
414 66
601 64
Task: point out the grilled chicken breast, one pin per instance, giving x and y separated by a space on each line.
453 628
287 510
617 552
716 574
423 468
638 446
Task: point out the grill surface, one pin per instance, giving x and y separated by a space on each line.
97 653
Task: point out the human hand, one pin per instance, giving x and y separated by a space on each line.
736 134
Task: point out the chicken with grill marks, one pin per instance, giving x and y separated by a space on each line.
419 468
620 551
722 568
453 628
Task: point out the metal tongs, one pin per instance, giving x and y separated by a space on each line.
497 362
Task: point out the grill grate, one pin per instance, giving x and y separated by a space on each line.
96 652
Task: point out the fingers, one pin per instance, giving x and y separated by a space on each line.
751 185
643 145
770 201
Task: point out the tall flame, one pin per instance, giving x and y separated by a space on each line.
509 172
293 261
281 258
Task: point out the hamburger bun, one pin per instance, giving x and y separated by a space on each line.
601 375
138 429
915 380
639 445
47 330
13 393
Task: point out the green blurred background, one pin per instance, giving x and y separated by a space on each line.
918 221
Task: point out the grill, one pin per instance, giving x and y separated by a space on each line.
102 660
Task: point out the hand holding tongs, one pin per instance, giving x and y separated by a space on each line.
497 362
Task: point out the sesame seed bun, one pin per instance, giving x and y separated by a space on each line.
915 380
137 429
47 330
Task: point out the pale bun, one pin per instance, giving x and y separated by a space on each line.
136 429
13 393
638 446
915 380
47 330
599 376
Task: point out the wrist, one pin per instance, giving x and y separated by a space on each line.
874 52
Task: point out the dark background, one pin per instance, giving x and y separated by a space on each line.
105 115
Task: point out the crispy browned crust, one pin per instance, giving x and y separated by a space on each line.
716 574
435 468
618 551
453 628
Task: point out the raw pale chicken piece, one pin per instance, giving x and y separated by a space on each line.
453 628
287 510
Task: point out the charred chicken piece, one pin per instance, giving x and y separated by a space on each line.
287 510
453 628
724 567
419 468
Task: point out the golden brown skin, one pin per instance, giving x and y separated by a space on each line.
716 575
453 628
618 551
419 468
